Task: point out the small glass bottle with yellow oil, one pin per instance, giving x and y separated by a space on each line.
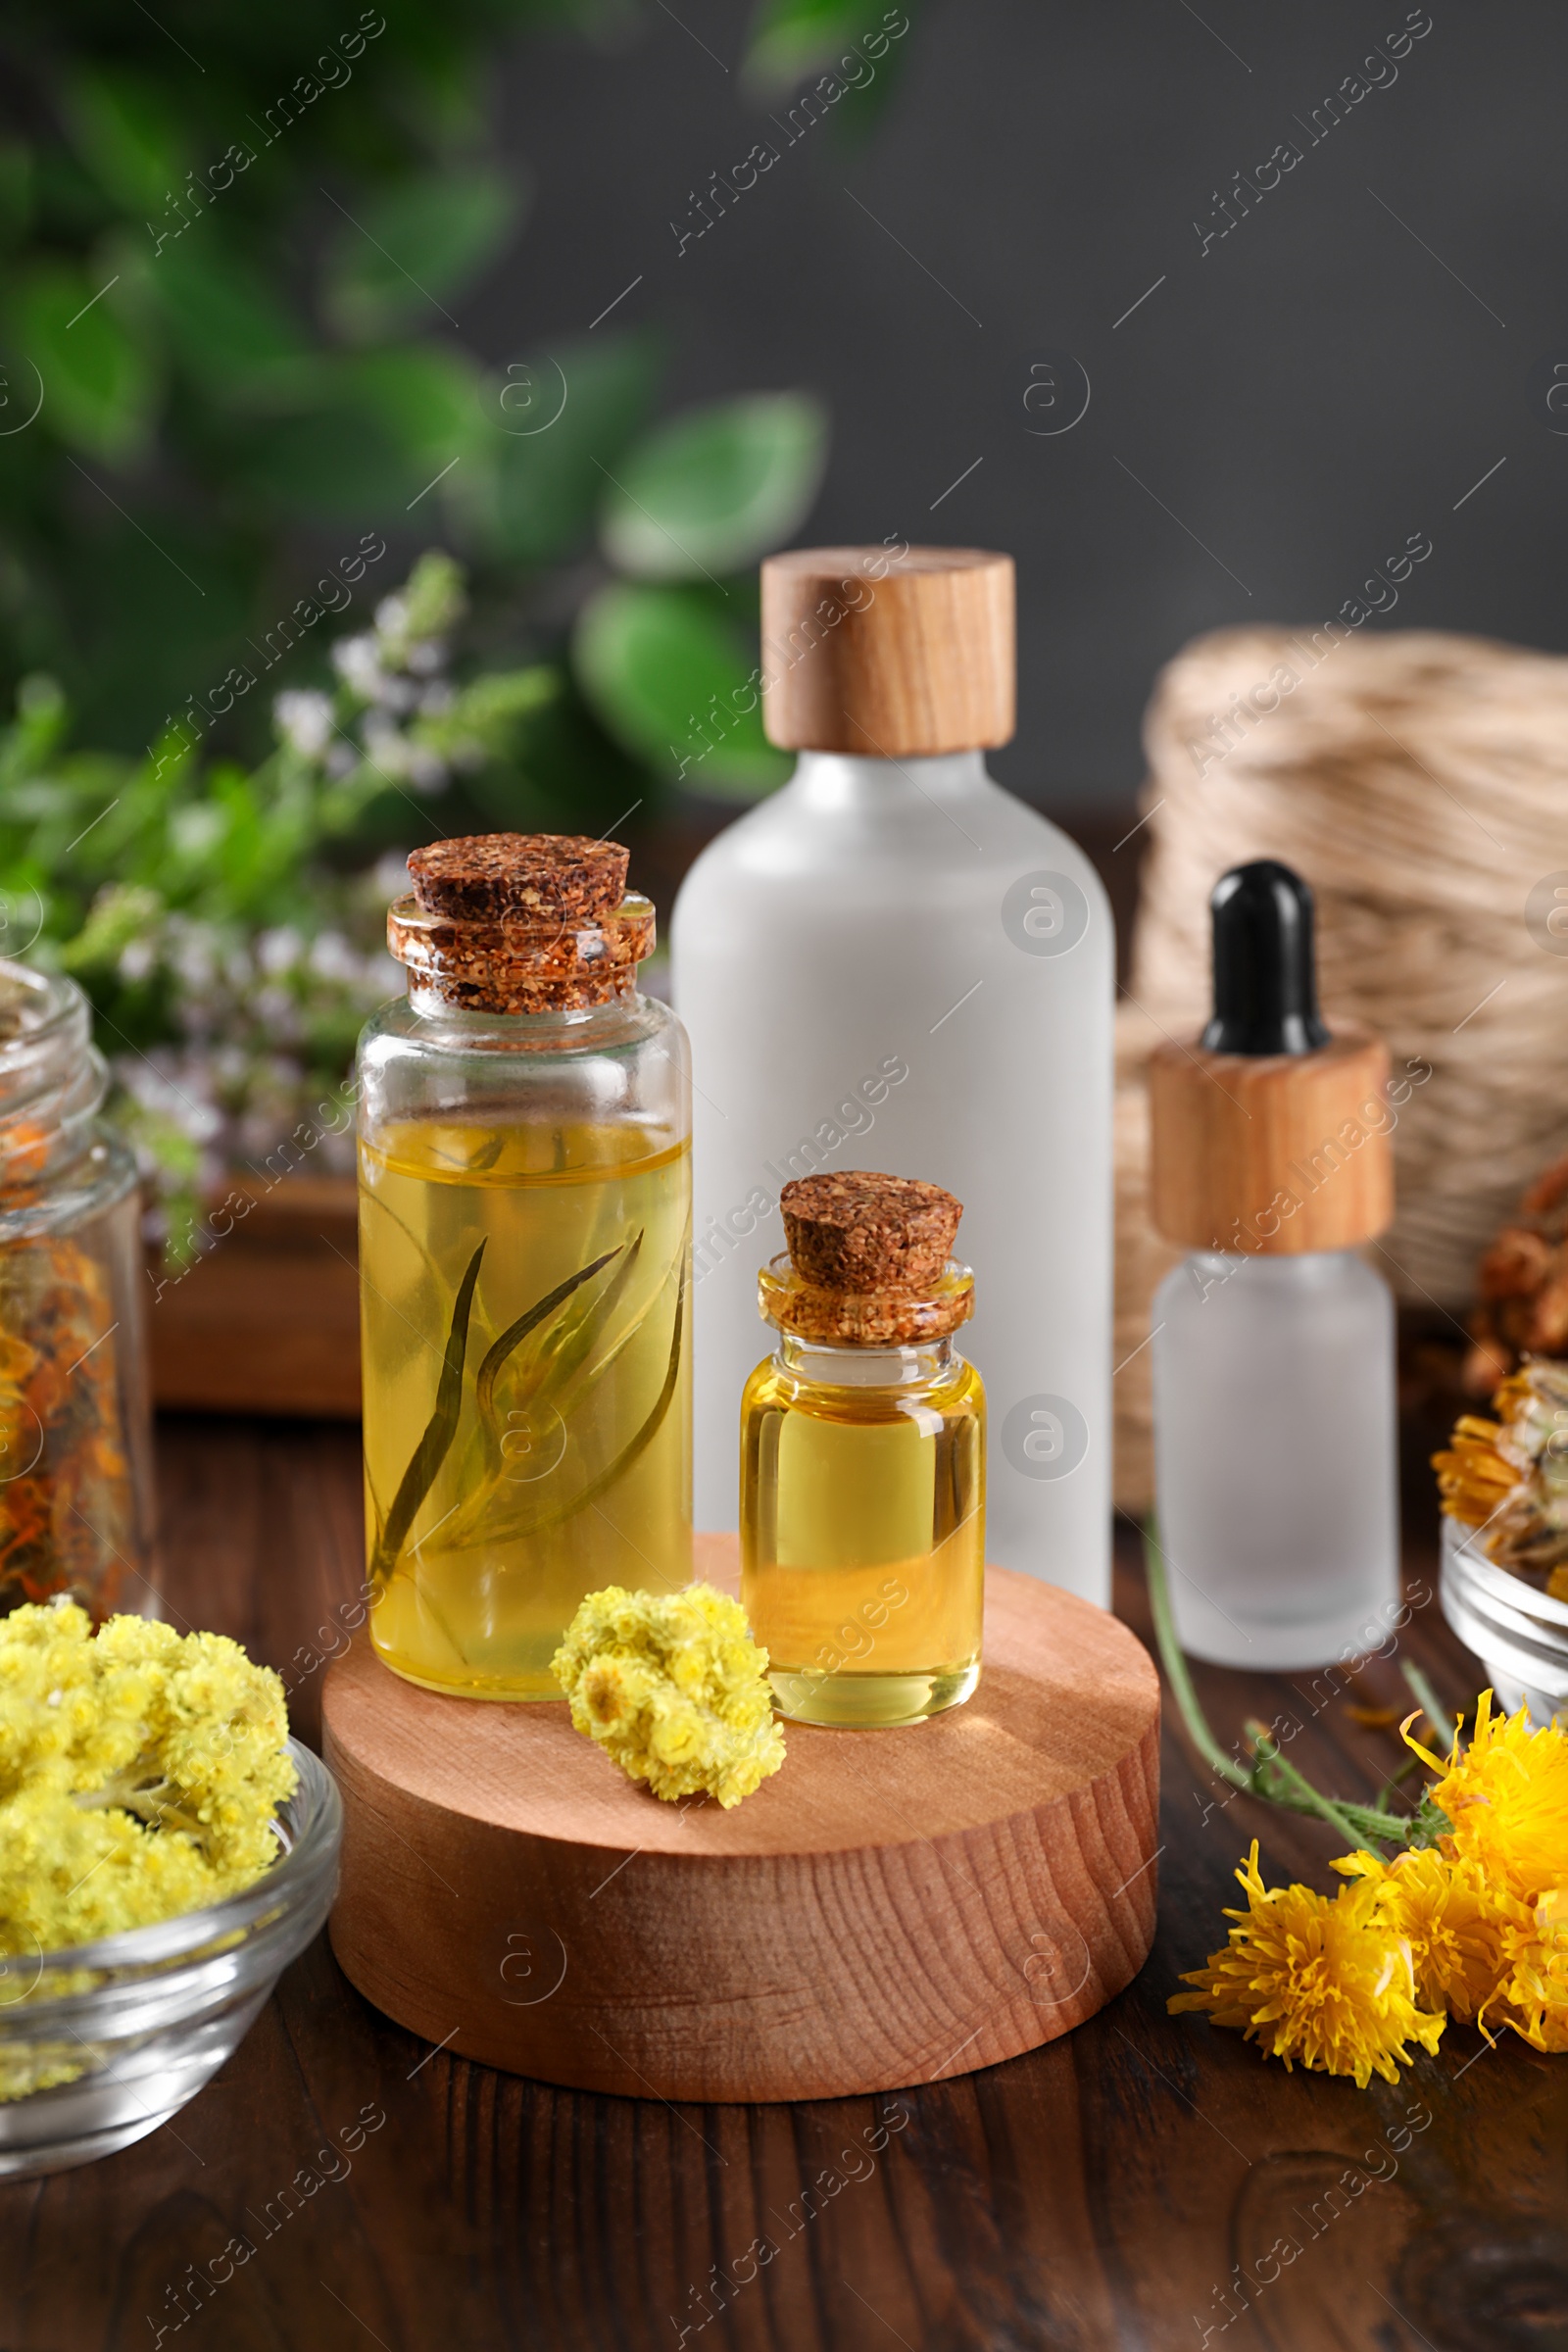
862 1459
524 1264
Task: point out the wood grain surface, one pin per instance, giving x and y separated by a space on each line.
1273 1153
891 1905
1095 2195
904 656
268 1320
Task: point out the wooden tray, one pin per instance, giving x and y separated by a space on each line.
890 1907
269 1320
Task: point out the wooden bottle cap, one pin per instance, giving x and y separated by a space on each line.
1275 1154
891 656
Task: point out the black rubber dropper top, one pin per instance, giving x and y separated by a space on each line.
1265 990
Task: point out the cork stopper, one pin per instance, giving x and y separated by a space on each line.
859 1231
888 656
521 877
868 1261
521 922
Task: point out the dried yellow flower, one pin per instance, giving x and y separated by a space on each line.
674 1690
140 1768
1508 1479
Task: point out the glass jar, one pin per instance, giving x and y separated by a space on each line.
863 1508
1518 1631
524 1264
75 1437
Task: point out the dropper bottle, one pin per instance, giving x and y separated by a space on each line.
1273 1342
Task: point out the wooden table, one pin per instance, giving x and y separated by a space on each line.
1098 2193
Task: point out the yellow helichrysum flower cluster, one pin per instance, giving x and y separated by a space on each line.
1475 1926
139 1773
673 1688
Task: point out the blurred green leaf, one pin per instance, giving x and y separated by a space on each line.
716 488
381 430
673 681
330 463
99 381
36 733
424 396
410 246
226 325
132 138
154 619
561 420
791 39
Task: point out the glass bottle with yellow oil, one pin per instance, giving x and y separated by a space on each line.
524 1254
862 1459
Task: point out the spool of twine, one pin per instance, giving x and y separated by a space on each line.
1419 781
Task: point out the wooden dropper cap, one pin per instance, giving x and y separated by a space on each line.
1269 1134
890 656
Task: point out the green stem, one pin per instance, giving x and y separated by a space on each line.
1307 1799
1369 1822
1426 1697
1290 1790
1397 1778
1383 1828
1171 1657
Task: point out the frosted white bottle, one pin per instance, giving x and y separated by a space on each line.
893 964
1275 1439
1275 1435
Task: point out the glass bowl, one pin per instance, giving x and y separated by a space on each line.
1519 1634
102 2043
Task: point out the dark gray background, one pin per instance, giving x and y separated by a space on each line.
1303 396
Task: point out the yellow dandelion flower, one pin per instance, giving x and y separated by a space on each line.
1535 1990
1453 1920
1330 1983
1506 1796
674 1690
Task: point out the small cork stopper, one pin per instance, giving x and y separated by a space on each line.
868 1262
520 877
859 1231
886 655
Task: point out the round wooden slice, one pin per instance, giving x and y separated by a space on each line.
890 1907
